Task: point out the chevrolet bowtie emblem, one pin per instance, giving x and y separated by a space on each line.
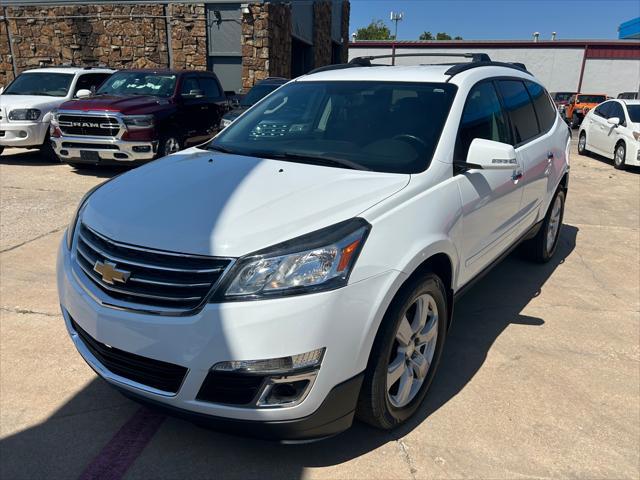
110 274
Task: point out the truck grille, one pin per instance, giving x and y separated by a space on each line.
173 281
89 125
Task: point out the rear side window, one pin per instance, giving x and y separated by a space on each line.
90 81
545 110
482 118
520 109
210 87
189 84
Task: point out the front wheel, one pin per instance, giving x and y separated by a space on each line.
619 156
168 145
542 247
405 354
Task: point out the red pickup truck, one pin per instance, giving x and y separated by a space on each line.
139 115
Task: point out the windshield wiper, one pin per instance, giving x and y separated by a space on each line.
320 159
218 148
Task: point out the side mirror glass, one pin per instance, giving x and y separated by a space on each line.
489 155
615 121
83 92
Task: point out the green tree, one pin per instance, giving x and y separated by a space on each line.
458 38
426 36
443 36
376 30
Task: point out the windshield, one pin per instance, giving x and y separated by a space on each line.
47 84
386 127
257 93
139 83
562 96
591 98
634 113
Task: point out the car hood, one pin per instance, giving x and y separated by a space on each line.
41 102
135 104
210 203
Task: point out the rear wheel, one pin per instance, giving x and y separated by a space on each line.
542 247
405 354
582 143
575 121
619 156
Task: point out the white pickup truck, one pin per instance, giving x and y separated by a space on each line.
27 102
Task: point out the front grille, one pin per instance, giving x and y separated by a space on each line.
89 125
86 146
159 279
146 371
232 388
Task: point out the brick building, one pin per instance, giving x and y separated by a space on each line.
241 42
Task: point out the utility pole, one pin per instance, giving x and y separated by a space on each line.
395 17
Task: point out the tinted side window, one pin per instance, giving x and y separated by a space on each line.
482 118
189 84
542 103
602 110
90 81
616 111
520 110
210 87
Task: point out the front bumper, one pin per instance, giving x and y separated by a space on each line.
109 150
343 321
23 134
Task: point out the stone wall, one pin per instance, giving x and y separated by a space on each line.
119 36
321 33
266 43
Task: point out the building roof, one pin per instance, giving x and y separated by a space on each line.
575 43
630 29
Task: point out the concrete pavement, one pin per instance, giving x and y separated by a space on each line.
540 375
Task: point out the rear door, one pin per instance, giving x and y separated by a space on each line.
216 103
491 198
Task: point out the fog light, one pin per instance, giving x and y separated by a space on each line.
141 148
274 365
64 152
120 155
22 134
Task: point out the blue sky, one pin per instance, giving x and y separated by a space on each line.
500 19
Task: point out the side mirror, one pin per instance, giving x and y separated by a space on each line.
83 92
615 121
489 155
195 93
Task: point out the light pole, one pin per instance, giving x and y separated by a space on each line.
395 17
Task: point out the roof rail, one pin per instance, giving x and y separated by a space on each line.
336 66
463 67
366 61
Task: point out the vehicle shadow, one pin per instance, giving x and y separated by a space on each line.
608 161
26 158
188 451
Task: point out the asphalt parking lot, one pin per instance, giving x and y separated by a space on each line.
540 376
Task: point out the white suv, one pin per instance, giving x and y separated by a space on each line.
27 102
302 266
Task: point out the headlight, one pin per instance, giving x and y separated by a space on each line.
318 261
24 114
225 122
134 122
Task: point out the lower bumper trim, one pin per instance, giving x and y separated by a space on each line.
334 416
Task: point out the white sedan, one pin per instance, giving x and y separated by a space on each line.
612 129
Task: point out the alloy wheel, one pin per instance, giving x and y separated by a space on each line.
171 145
553 227
620 153
412 351
582 143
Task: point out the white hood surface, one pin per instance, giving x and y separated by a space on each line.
41 102
210 203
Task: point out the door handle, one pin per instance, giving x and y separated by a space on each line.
517 175
550 157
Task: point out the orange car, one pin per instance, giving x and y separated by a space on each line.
579 105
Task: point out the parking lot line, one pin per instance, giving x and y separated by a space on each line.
124 447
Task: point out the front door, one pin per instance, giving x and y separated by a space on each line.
193 109
490 198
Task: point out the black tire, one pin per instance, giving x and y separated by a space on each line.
47 151
620 156
538 248
374 405
164 147
582 144
575 122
